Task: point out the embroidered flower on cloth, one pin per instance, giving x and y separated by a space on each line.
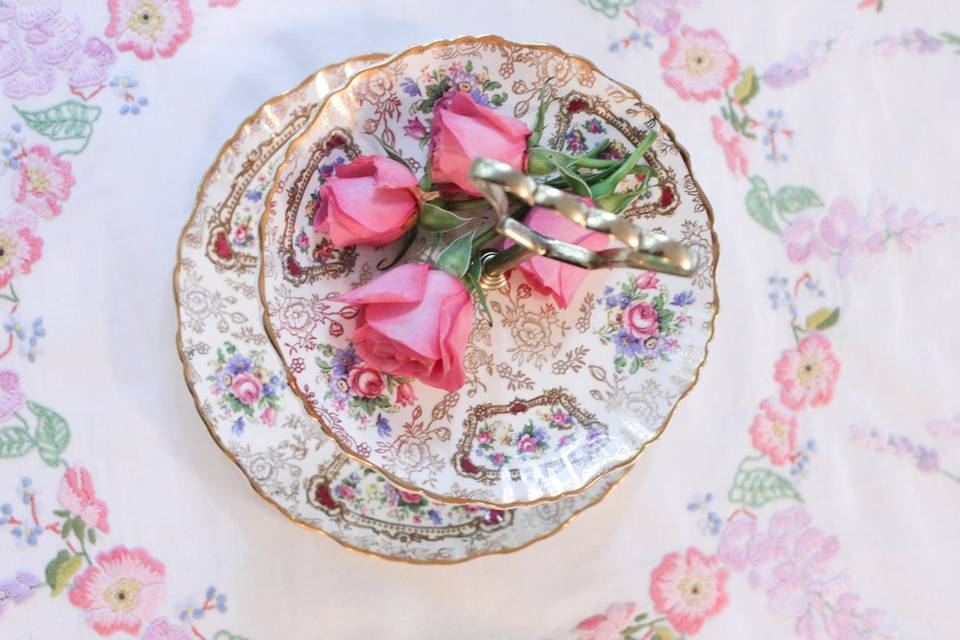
607 626
732 144
807 373
11 395
44 180
688 589
36 41
19 248
774 431
149 27
122 591
77 496
698 65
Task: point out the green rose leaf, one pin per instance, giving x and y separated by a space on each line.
745 90
223 634
14 442
52 434
823 318
455 259
796 199
392 153
760 203
69 120
756 487
59 571
434 218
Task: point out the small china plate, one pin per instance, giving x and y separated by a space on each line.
554 399
239 386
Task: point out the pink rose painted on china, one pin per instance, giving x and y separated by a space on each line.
43 181
405 394
366 381
461 131
121 591
149 27
549 277
641 321
688 589
808 373
12 396
269 417
648 280
607 626
246 387
733 145
372 201
77 496
413 321
698 64
774 431
19 248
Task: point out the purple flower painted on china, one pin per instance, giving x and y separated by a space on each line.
415 129
343 361
682 299
238 364
409 86
383 426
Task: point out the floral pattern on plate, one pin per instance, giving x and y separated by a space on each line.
532 346
234 376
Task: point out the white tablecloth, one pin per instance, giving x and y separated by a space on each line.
844 198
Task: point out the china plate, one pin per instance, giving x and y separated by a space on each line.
554 400
238 383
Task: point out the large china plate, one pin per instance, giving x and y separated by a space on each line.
239 387
554 399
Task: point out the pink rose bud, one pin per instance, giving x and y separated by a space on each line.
551 277
246 388
371 202
641 321
462 131
413 321
405 394
365 381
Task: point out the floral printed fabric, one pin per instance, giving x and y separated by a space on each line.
807 488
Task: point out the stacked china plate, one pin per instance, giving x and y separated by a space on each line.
556 397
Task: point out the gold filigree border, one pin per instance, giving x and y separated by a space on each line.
185 364
485 410
628 94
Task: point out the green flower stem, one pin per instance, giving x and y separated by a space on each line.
461 205
611 182
598 149
484 238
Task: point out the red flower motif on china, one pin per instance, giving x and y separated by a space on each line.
688 589
698 65
774 431
808 373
